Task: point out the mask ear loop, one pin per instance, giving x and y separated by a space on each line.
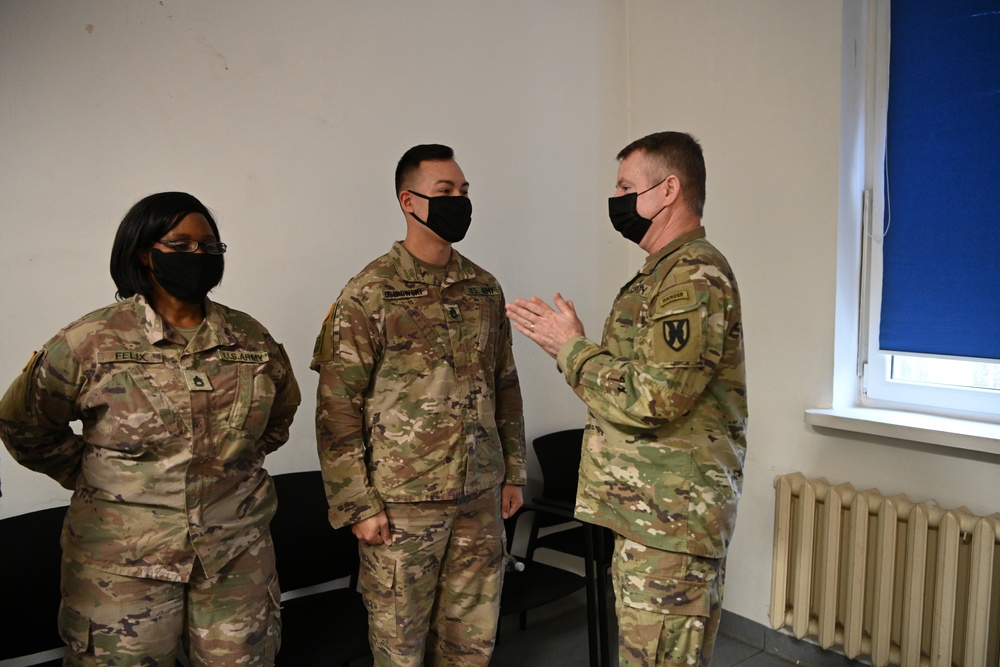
647 190
422 222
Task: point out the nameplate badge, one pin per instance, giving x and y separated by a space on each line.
129 356
393 294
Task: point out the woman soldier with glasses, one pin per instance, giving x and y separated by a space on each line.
166 541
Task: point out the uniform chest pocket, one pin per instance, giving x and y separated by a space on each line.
130 410
253 400
412 343
489 321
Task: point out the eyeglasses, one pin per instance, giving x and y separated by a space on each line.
190 245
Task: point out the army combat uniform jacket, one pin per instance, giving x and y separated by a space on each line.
665 440
418 395
168 468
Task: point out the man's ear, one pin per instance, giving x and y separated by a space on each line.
671 190
406 201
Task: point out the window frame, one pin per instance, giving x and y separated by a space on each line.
850 407
876 388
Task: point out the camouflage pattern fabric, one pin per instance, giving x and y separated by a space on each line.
433 596
665 440
418 395
668 605
168 469
227 619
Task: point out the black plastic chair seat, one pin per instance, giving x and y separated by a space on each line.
30 558
537 585
300 645
330 627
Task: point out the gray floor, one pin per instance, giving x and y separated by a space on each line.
556 636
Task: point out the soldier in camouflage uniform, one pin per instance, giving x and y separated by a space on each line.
665 441
419 428
166 540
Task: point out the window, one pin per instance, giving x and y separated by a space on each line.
930 338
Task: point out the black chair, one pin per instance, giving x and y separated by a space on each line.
528 583
30 558
559 458
320 627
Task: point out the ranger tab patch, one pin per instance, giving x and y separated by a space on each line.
675 297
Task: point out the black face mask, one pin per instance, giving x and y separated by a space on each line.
189 276
448 217
626 219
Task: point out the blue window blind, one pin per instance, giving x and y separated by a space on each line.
941 253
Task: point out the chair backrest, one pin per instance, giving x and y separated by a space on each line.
30 558
559 457
308 550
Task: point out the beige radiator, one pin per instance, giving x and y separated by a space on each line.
903 583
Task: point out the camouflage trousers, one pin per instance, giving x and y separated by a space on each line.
668 604
231 618
433 596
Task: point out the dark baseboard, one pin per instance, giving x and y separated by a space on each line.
784 646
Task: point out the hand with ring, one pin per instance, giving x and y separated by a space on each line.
549 327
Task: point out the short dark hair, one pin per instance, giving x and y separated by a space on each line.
146 223
678 153
410 162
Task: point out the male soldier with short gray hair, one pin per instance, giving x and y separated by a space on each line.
420 428
663 450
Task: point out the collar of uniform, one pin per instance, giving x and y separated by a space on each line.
410 271
215 334
654 259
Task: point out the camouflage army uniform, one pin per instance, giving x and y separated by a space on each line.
168 481
419 413
664 446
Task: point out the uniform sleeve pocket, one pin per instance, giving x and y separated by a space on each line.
676 337
16 403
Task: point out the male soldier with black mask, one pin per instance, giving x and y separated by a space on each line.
420 429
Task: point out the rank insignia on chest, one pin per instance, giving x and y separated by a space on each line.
453 313
197 381
677 333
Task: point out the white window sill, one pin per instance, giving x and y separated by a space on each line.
965 434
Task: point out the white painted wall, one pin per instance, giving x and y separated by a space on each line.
287 120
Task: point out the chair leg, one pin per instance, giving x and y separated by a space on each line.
593 613
601 577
